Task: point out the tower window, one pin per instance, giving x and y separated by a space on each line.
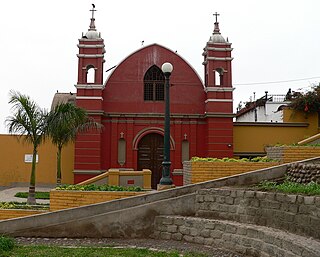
218 77
154 84
90 74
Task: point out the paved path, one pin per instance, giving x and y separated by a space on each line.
8 194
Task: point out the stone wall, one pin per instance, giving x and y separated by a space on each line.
303 173
15 213
199 171
286 154
294 213
247 239
69 199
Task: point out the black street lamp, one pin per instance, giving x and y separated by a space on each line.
166 180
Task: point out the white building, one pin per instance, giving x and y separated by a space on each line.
265 109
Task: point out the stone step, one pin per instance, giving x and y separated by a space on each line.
247 239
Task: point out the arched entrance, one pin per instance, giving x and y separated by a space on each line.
150 156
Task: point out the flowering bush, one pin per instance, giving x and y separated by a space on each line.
308 102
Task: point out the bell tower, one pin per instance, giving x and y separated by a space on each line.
218 87
89 96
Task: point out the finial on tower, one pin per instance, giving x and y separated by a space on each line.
92 25
216 14
92 32
216 36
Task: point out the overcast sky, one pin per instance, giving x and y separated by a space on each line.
273 40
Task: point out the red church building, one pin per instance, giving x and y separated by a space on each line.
130 105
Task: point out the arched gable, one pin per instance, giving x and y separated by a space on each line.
124 89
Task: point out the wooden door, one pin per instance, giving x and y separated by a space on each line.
150 156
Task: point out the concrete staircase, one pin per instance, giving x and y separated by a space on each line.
248 222
192 212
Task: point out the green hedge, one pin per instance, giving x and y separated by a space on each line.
24 206
256 159
93 187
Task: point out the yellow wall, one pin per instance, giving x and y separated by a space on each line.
252 137
204 171
13 213
68 199
13 169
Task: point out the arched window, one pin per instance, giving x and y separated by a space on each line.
90 74
154 84
219 77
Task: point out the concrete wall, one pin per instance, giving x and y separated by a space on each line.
14 170
199 171
116 177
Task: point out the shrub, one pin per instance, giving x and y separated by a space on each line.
6 244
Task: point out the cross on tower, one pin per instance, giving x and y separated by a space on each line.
216 14
93 10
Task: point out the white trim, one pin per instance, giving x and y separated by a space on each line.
219 100
219 49
89 97
87 171
219 89
220 58
90 55
90 46
89 86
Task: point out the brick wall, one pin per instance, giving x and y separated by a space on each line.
14 213
69 199
286 154
194 172
295 213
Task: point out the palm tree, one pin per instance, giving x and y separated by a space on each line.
29 122
65 121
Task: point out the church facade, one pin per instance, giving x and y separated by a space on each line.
130 105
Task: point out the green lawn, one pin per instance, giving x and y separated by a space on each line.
55 251
39 195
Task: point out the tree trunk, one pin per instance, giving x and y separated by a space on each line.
32 187
59 165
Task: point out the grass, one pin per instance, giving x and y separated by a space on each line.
39 195
311 188
56 251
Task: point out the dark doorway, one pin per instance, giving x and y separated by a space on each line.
150 156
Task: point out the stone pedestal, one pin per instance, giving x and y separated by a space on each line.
164 187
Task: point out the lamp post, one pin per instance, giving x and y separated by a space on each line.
166 180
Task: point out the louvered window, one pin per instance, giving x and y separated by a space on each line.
154 84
